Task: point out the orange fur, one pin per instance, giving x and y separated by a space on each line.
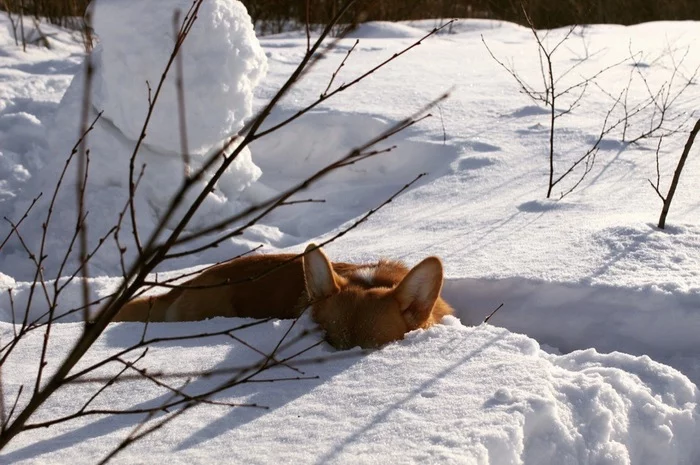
367 305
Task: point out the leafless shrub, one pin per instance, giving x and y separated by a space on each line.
663 120
155 249
552 92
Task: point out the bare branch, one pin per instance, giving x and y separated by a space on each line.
677 174
341 88
549 96
658 171
156 340
342 63
308 25
266 207
182 34
3 413
155 249
17 225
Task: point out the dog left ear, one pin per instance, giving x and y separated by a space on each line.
419 290
318 274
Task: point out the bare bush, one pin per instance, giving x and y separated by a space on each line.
550 95
156 248
664 120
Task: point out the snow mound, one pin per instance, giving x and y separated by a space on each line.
450 394
463 25
322 137
384 30
222 62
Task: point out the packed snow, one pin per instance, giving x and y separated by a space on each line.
593 358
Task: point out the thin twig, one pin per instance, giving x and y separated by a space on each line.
358 222
658 172
12 312
266 207
342 63
3 413
361 77
74 377
38 276
486 320
308 25
183 32
154 250
110 382
17 225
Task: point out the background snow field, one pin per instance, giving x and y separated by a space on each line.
593 358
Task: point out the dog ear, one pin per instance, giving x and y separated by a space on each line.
419 290
318 274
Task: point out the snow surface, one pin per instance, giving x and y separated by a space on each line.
220 49
221 59
606 368
452 394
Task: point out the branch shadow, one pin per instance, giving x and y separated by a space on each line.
121 336
383 415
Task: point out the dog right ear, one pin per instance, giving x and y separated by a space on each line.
419 290
318 274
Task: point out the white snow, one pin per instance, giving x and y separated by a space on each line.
221 59
593 358
221 49
453 394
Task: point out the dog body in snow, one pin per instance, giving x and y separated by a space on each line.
366 305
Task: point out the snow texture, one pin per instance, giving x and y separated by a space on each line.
222 62
593 358
451 394
136 40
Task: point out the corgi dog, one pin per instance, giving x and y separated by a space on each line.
366 305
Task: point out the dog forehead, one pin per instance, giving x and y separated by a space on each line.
358 300
365 274
377 275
